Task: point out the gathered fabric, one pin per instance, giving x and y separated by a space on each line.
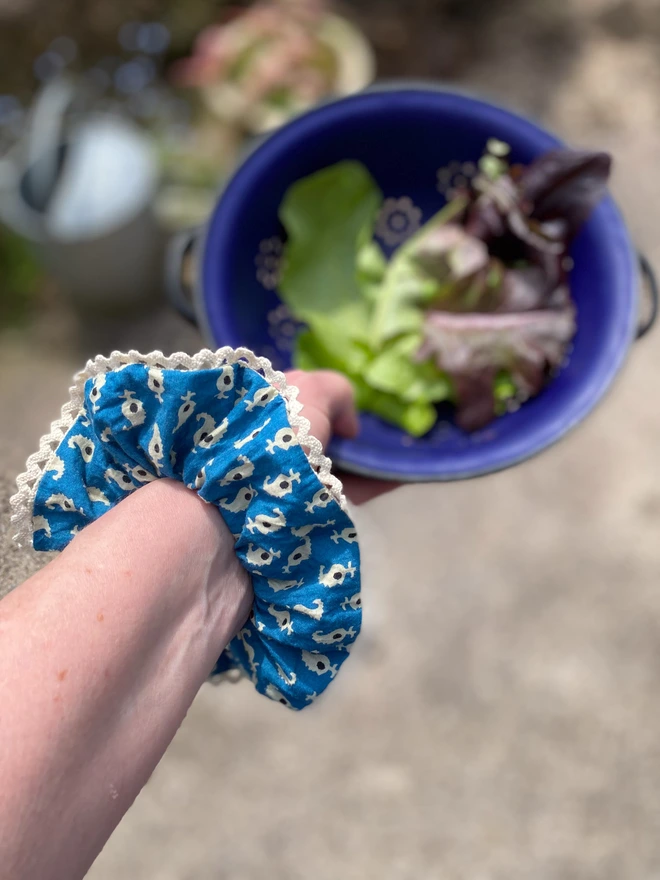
230 428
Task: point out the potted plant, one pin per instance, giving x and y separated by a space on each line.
276 59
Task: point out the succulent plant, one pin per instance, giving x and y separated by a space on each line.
271 54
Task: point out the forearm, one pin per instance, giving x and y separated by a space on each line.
101 655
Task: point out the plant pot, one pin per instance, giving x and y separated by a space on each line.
356 67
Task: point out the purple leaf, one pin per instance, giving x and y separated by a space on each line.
499 217
530 288
449 253
476 402
472 347
486 220
565 185
479 341
487 216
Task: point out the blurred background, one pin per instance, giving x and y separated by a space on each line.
499 718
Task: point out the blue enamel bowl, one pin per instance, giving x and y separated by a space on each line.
405 136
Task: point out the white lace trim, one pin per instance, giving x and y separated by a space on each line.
38 464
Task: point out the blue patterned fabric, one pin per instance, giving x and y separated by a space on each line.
225 433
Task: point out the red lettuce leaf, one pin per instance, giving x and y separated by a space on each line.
475 399
564 186
450 253
473 348
530 288
543 205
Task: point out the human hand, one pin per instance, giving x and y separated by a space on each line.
330 407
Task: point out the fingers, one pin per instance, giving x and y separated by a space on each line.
329 404
329 395
339 399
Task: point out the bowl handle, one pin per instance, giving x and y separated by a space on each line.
180 258
650 282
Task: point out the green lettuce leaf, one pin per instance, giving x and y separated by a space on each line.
371 268
329 218
396 370
407 285
334 279
416 417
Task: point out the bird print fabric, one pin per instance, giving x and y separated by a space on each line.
226 433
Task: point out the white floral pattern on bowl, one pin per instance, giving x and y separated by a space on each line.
454 176
283 328
269 262
398 220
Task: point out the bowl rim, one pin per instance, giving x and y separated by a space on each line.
347 454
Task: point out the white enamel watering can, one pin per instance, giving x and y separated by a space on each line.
80 186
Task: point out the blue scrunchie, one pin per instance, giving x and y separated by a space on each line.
225 430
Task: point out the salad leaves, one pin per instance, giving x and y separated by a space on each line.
475 308
333 281
407 284
517 348
329 217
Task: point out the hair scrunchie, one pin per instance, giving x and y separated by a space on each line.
229 427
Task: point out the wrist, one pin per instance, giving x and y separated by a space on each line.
222 588
179 553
